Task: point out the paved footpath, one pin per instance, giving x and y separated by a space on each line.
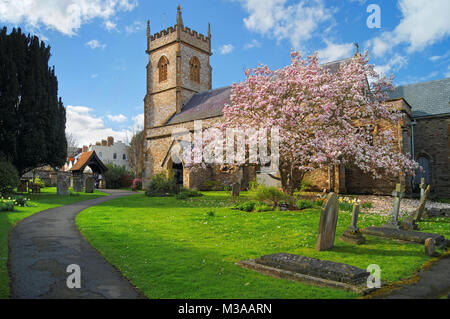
434 282
45 244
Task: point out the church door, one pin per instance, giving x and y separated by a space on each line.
425 173
177 170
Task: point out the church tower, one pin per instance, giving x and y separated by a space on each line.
179 67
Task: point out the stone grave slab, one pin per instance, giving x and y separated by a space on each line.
311 270
404 235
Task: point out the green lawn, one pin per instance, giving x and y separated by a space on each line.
173 249
39 202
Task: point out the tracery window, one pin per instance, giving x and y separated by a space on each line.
195 70
163 66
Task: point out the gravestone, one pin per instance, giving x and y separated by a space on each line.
328 223
398 195
404 235
421 209
62 185
236 190
89 185
353 235
311 270
78 184
430 247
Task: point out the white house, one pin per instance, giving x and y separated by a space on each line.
111 153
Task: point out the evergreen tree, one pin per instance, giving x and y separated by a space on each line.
32 118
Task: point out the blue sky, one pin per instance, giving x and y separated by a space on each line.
98 46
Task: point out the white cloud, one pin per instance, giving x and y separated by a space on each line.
65 16
226 49
95 44
138 122
135 27
440 57
88 128
94 76
117 118
110 26
334 52
252 44
277 19
422 25
396 63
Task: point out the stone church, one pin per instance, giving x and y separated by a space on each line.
179 92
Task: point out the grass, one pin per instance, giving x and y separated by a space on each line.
175 249
38 202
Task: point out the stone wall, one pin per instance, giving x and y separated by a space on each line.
432 140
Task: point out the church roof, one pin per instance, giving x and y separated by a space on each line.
203 105
427 98
211 103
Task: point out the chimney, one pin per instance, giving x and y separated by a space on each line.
104 143
85 149
98 144
110 141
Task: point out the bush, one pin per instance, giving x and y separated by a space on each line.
160 186
7 205
39 182
368 205
304 204
270 195
305 186
253 185
263 207
20 201
117 177
211 213
9 178
213 186
137 184
345 206
247 206
187 193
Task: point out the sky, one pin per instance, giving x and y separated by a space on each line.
98 46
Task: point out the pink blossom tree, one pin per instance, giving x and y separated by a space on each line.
319 115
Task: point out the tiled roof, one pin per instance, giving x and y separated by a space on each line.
211 103
203 105
427 98
89 159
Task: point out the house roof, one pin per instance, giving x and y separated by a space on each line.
211 103
89 159
203 105
426 98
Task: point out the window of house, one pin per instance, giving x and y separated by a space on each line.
124 157
115 156
163 69
195 70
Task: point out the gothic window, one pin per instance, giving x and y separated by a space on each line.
195 70
162 66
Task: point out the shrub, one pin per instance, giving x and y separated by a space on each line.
117 177
253 185
319 202
137 184
271 195
9 178
20 201
263 207
304 204
7 205
160 186
211 213
187 193
39 182
213 186
247 206
305 186
367 205
345 206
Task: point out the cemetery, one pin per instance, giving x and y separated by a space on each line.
318 252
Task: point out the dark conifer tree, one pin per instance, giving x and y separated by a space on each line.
32 118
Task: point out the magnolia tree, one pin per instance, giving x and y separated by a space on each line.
319 115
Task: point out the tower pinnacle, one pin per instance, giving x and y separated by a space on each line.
179 16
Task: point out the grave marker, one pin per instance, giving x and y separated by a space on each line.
328 223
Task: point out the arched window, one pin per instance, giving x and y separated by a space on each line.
195 70
162 66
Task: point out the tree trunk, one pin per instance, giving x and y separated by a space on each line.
291 178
